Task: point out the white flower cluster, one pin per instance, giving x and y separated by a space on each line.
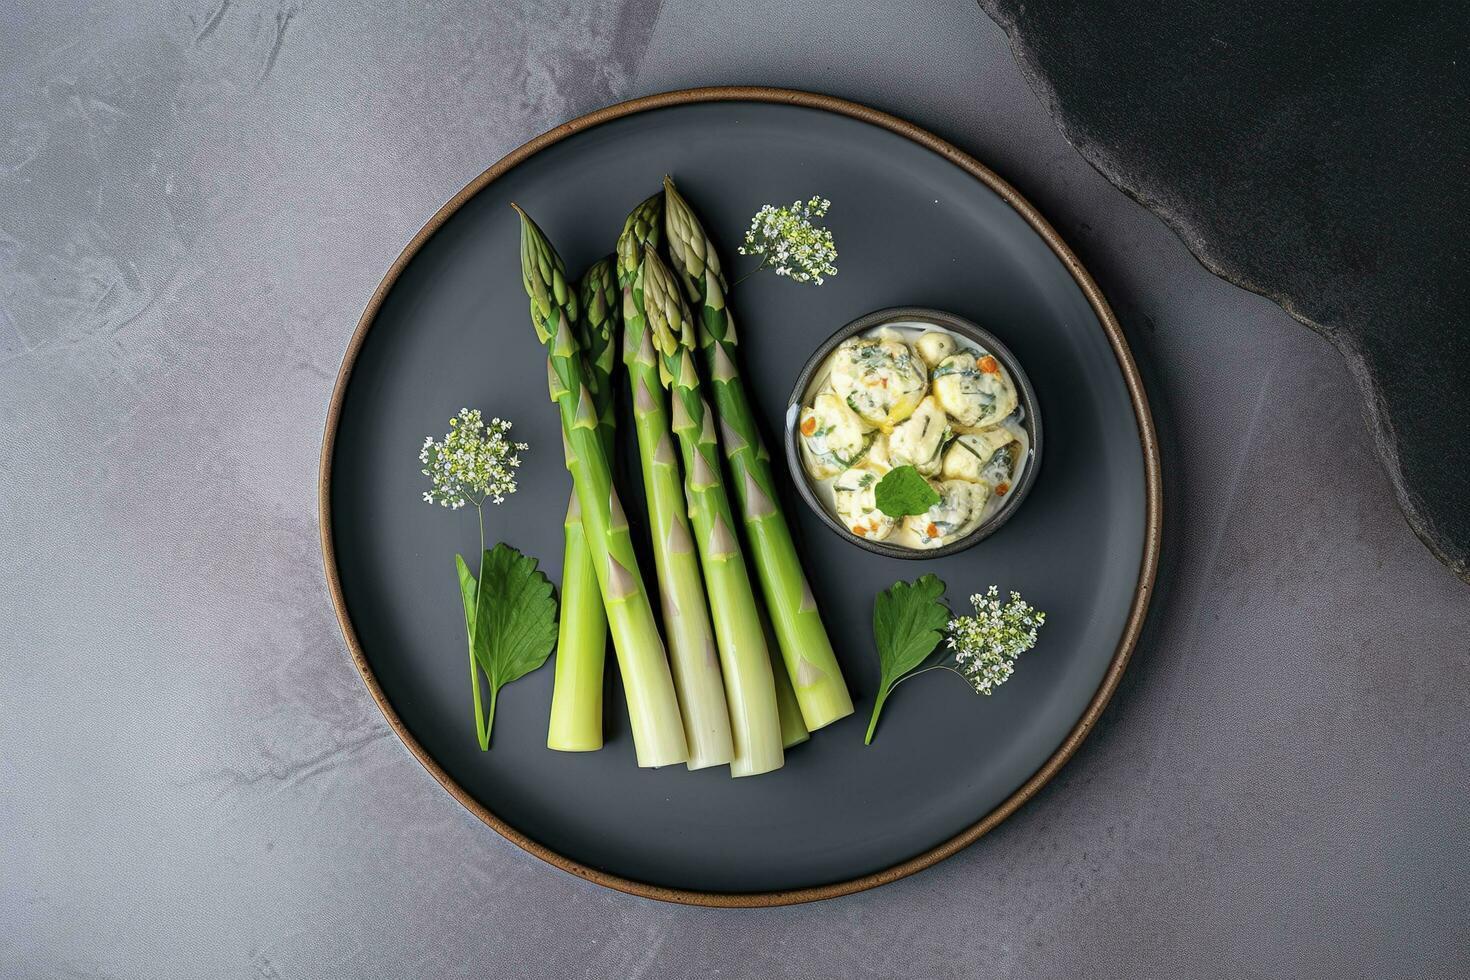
474 461
787 239
987 644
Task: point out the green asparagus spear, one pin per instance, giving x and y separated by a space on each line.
681 589
658 733
805 648
793 727
597 332
750 689
581 648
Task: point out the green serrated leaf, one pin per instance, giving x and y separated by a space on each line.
908 621
903 492
513 627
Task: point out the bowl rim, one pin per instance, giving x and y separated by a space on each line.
991 344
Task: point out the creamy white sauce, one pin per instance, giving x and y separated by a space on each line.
903 535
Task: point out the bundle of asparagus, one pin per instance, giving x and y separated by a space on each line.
653 709
686 616
723 694
750 689
804 644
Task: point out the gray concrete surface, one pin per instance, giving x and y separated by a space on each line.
196 200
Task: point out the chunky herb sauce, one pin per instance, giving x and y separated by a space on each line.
917 394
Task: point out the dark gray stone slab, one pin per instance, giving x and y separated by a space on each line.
1316 153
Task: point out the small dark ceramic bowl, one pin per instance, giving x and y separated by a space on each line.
963 328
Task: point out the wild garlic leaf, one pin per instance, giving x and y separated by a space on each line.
908 620
513 627
903 492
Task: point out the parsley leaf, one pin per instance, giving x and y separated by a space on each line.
902 492
907 622
510 618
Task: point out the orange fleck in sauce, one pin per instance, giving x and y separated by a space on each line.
1001 488
932 530
859 530
809 425
989 365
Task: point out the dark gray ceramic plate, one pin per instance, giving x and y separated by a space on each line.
916 222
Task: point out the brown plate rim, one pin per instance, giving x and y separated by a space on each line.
1147 438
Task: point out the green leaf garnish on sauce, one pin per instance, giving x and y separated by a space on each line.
908 620
903 492
510 618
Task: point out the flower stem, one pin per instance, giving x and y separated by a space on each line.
924 670
482 727
883 694
765 259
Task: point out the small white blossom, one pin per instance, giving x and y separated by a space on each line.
986 645
472 462
787 239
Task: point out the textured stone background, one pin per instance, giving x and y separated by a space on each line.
196 200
